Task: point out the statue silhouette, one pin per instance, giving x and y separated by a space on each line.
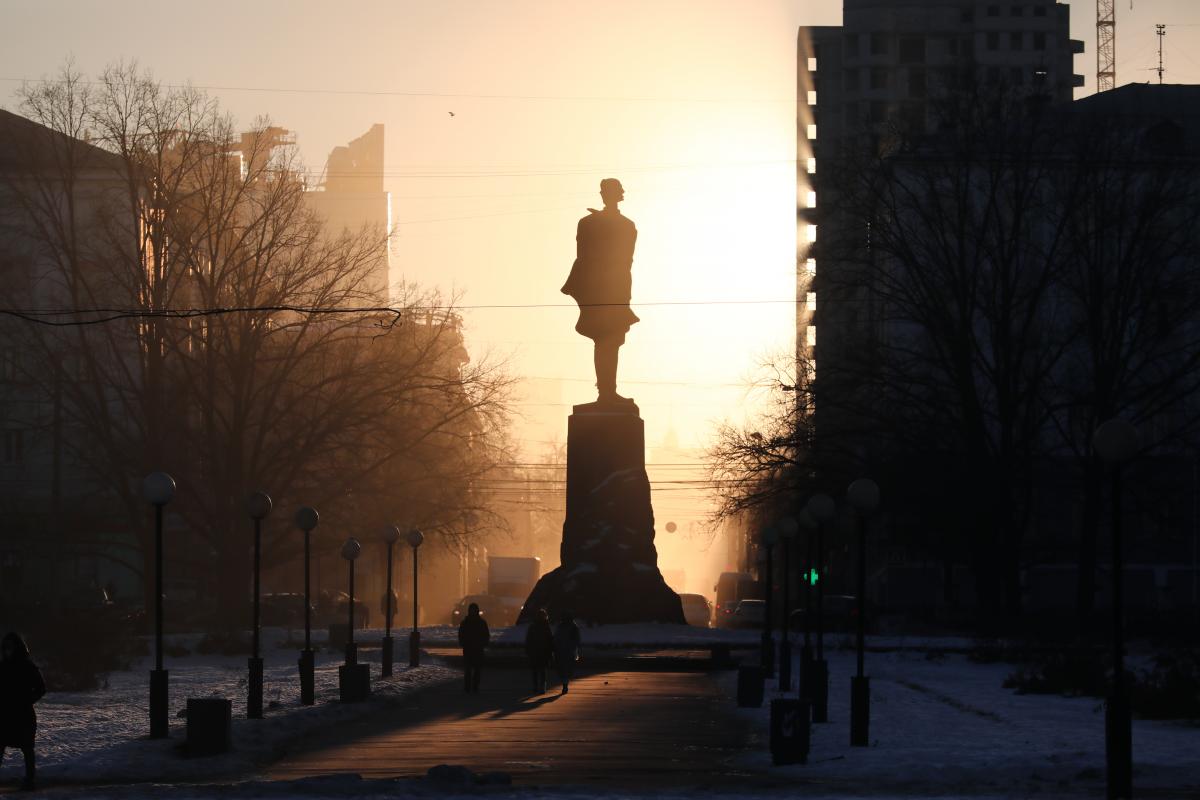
601 282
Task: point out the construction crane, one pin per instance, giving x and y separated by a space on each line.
1106 45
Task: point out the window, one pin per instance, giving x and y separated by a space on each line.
993 40
879 77
14 447
852 80
1016 75
912 51
1039 77
811 301
1039 41
916 83
967 15
852 45
1015 40
1017 11
1039 11
993 11
879 44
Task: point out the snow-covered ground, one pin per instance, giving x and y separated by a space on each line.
943 725
101 736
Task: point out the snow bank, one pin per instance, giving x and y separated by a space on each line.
101 736
943 724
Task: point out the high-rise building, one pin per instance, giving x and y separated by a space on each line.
352 198
889 67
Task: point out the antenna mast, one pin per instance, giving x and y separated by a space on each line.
1161 30
1106 45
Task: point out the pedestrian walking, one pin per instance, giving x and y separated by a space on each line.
21 686
473 637
566 650
539 647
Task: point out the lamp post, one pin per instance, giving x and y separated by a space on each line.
770 537
863 495
391 535
822 509
258 506
1116 441
158 489
414 538
306 520
787 528
350 551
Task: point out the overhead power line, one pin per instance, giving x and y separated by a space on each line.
427 94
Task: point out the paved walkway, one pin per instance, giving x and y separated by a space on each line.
619 729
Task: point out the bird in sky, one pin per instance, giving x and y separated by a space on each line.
451 113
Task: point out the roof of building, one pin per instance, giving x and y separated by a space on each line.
1176 101
27 145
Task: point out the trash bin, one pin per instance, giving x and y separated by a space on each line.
789 731
750 687
209 726
354 682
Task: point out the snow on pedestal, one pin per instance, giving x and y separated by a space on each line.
609 572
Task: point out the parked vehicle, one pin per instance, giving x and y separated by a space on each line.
839 614
362 615
497 611
696 610
284 609
748 614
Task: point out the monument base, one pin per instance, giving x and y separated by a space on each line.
609 572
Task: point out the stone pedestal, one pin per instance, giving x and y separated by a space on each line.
609 572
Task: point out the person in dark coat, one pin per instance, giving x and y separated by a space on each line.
539 647
473 637
566 650
21 686
601 281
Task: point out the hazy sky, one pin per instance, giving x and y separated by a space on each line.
688 102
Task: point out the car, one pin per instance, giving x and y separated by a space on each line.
696 610
496 610
748 614
284 609
362 616
839 614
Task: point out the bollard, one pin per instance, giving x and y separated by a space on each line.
389 647
820 690
790 732
860 711
159 727
750 687
308 684
209 726
339 636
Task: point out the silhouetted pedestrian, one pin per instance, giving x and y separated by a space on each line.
21 686
539 646
566 650
473 637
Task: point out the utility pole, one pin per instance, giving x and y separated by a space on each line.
1161 31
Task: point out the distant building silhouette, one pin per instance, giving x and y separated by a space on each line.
351 197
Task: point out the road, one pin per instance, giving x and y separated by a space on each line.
617 729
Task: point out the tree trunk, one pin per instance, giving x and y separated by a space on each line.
1085 600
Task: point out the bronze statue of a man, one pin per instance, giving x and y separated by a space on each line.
601 283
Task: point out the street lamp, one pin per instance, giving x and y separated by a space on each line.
788 528
306 520
158 489
822 509
258 505
863 495
350 551
1116 441
414 539
770 537
391 535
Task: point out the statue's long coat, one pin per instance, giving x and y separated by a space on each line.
601 278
